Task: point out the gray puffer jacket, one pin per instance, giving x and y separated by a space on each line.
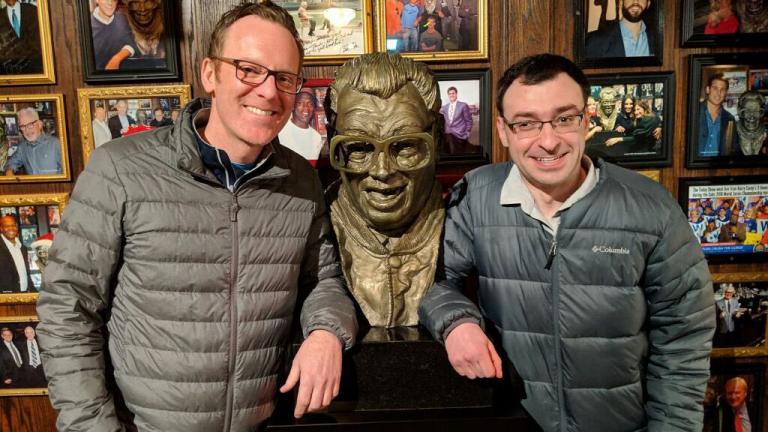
196 284
614 333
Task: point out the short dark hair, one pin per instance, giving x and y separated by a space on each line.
264 9
540 68
718 77
157 109
452 88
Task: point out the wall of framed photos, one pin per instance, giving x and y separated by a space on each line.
515 28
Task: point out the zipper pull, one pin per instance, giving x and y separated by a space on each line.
552 253
233 209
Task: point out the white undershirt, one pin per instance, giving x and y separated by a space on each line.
18 259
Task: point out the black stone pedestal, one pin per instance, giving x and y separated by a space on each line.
400 379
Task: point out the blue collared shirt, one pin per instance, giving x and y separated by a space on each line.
39 157
632 47
712 144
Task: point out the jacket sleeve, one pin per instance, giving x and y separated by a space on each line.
75 297
444 306
328 305
680 328
467 120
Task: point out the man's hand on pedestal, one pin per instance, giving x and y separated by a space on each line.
471 353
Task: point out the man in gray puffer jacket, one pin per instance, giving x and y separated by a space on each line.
589 272
191 246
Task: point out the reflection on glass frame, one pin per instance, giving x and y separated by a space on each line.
438 30
21 372
728 215
727 111
654 175
44 124
305 131
630 118
598 40
26 56
724 23
332 35
467 134
99 110
747 395
741 302
36 217
124 43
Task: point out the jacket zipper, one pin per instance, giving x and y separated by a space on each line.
233 210
556 320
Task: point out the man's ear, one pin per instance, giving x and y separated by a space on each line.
501 129
208 74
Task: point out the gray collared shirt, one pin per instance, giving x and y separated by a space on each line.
39 157
515 192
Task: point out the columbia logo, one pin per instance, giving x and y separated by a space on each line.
610 250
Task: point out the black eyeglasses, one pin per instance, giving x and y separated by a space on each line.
564 123
255 74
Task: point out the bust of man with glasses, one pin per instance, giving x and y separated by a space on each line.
38 153
589 272
383 114
196 246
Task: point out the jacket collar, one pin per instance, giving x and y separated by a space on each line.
187 157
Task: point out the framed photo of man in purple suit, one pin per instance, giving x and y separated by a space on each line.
465 109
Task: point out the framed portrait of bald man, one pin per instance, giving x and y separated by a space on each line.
107 113
33 139
128 40
724 23
616 33
28 224
727 124
21 368
741 303
26 51
734 399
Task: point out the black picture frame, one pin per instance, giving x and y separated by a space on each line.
592 22
474 88
638 146
744 72
748 241
715 400
694 16
138 68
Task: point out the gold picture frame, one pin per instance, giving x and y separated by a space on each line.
332 35
35 70
466 26
24 375
654 175
54 205
740 279
50 110
139 100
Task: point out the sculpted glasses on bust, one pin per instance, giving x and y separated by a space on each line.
387 213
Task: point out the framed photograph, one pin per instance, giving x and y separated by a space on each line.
600 28
26 51
305 131
724 23
727 111
729 216
466 110
332 32
433 30
742 308
111 112
33 139
29 222
21 371
128 40
630 118
735 393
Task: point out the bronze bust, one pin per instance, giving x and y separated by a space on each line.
383 125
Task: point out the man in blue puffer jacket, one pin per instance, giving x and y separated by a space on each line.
588 271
